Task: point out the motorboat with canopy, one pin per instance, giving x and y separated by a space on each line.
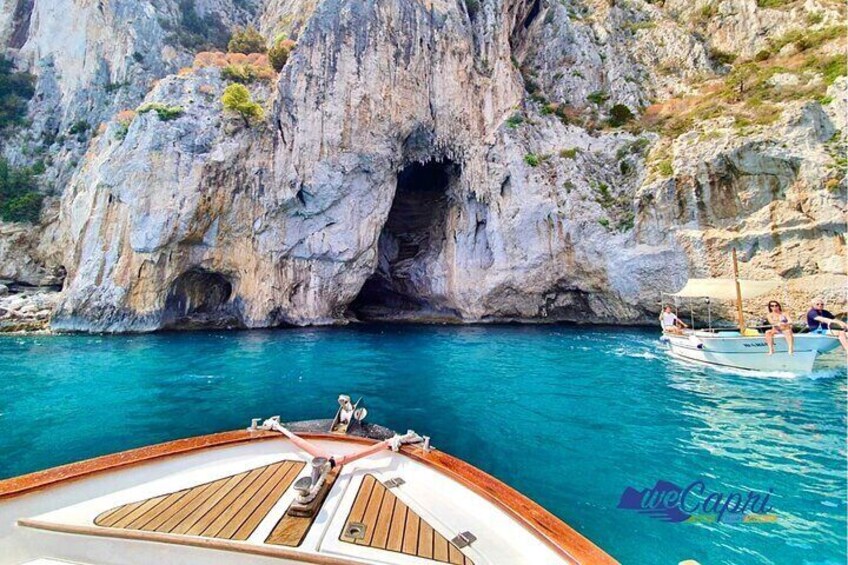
328 492
743 347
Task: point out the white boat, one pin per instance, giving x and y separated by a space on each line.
745 348
266 495
732 349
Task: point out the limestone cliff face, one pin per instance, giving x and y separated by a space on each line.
297 245
91 60
287 17
765 194
403 172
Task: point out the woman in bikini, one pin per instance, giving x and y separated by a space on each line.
779 321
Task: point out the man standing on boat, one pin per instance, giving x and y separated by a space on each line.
819 321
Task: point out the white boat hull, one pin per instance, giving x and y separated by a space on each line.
750 353
173 503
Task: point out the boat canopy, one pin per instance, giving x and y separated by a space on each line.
724 289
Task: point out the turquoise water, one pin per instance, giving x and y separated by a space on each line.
569 416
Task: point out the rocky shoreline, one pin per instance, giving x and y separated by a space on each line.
26 309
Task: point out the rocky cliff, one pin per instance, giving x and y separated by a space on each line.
431 160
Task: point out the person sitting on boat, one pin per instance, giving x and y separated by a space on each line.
780 323
670 322
820 321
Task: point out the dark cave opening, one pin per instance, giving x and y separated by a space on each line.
199 299
410 243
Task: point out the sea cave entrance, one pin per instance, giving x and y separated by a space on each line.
200 299
409 246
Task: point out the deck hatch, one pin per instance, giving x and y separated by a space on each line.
228 508
385 522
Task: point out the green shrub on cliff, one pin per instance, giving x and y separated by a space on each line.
80 129
514 121
279 53
247 41
20 200
237 99
165 112
722 57
16 89
805 39
831 68
620 115
244 74
598 97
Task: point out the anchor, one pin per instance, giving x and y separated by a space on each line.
325 467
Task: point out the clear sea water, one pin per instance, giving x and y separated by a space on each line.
569 416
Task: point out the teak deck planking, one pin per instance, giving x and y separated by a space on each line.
228 508
391 525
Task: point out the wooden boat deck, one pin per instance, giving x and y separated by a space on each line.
384 522
234 513
232 507
229 508
291 530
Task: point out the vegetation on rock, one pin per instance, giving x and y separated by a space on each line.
237 67
514 120
80 129
237 99
806 39
20 200
279 53
620 115
598 97
722 57
772 3
753 91
247 41
244 74
16 89
196 32
165 112
124 120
